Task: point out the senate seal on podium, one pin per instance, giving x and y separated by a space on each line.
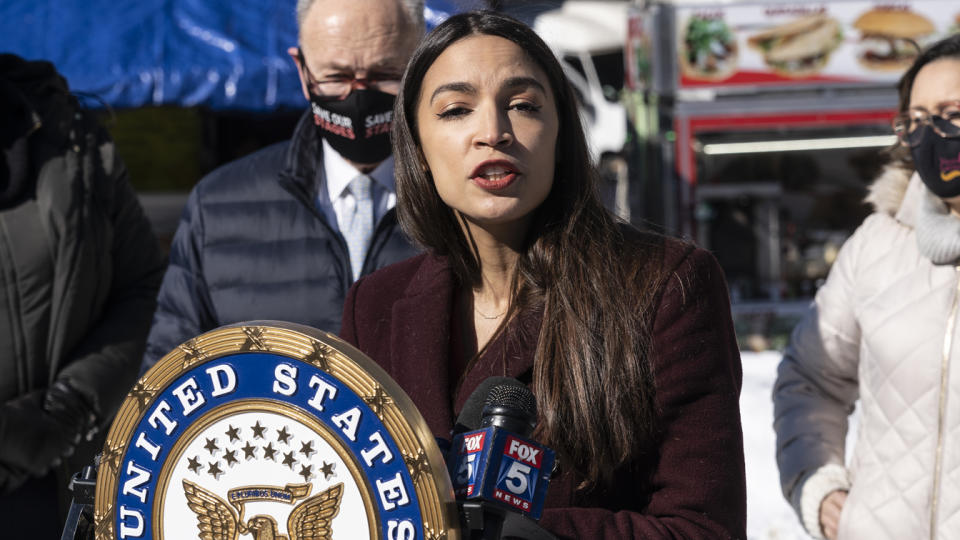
270 430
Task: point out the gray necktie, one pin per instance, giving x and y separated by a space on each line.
358 225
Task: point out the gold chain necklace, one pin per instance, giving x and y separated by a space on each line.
488 317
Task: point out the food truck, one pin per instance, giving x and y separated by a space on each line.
759 125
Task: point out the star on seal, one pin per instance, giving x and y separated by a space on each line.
306 448
269 452
327 470
142 394
249 451
211 446
258 430
214 470
306 472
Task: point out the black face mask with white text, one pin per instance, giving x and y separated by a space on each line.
358 126
937 160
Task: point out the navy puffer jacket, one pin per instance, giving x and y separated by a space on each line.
252 244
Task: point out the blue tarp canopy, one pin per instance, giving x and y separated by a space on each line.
224 54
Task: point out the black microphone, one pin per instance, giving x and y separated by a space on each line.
472 412
499 475
510 407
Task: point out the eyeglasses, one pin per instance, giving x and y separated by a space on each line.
946 123
339 86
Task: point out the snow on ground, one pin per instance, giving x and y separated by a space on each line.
769 516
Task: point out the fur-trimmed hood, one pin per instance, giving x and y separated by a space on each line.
887 192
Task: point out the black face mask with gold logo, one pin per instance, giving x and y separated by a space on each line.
358 126
937 160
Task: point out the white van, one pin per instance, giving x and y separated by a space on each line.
588 37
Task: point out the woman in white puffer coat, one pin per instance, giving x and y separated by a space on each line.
884 329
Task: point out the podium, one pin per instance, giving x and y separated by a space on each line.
269 429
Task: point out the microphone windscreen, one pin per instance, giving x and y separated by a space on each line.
513 396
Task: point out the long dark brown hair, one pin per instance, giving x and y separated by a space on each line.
945 48
591 375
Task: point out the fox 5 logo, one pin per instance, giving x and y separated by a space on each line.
465 479
519 469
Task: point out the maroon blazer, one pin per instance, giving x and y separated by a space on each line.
694 484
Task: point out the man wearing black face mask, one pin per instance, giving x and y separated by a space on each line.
283 233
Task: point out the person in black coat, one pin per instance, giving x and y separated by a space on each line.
79 272
269 236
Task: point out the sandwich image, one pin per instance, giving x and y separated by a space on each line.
708 49
889 39
799 48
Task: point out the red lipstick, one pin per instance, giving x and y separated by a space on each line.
494 174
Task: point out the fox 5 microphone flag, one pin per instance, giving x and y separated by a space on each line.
502 468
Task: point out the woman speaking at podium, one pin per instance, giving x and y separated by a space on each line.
625 337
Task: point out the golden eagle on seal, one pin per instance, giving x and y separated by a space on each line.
309 520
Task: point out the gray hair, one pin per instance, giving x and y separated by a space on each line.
413 8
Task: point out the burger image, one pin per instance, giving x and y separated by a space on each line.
799 48
890 38
708 49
